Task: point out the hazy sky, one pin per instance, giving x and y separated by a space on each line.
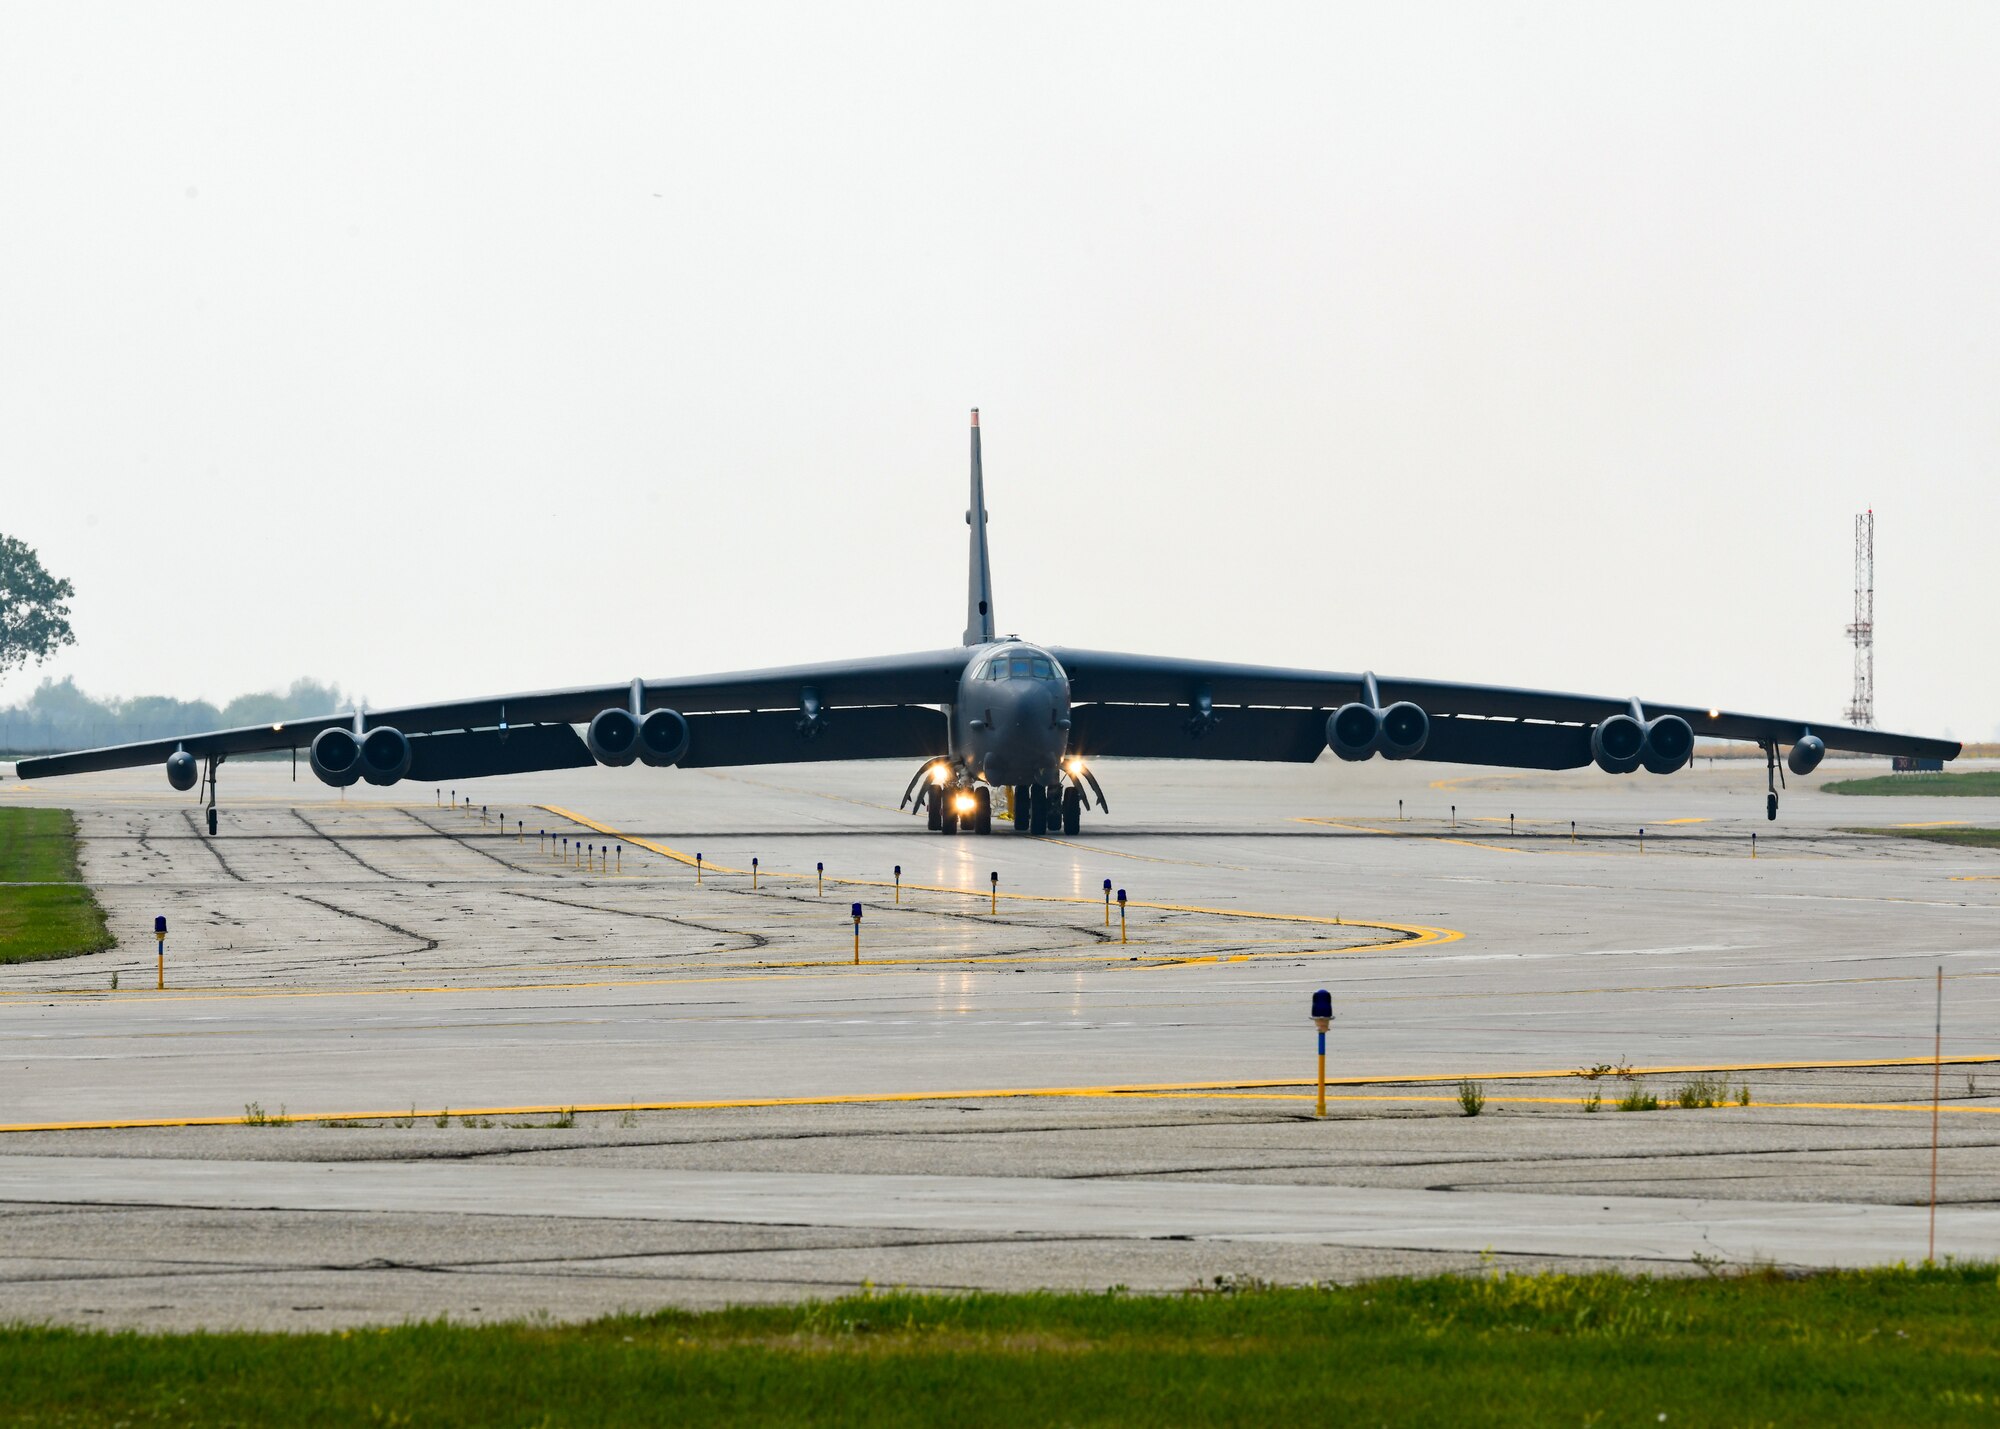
459 349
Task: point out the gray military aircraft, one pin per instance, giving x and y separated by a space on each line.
997 712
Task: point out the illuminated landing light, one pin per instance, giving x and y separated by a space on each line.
276 728
1075 767
939 774
964 803
1715 714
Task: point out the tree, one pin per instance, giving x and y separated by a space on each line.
34 610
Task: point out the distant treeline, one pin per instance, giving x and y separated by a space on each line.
59 716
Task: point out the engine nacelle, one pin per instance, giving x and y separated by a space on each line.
1617 744
1805 754
385 755
1353 731
336 756
663 738
1669 744
613 737
182 770
1404 728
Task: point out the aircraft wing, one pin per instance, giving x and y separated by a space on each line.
869 709
1146 706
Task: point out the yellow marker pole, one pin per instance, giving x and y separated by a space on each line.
753 873
1107 903
820 869
1121 917
162 940
993 905
1572 830
1753 843
1454 818
1642 841
621 858
899 885
697 868
855 912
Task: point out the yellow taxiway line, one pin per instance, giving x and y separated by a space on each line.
1416 935
1275 1090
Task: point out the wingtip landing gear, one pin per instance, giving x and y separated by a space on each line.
208 781
1772 778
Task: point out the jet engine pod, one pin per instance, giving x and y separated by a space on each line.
613 737
336 756
1669 744
1405 727
663 738
1617 744
385 755
1805 754
1353 731
181 770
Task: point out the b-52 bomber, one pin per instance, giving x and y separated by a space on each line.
997 713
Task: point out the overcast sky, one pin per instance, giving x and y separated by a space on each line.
449 350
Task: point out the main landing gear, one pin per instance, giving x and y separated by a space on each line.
953 808
1045 809
1773 777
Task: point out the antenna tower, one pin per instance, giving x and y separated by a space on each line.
1861 709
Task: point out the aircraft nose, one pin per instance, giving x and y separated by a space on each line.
1031 708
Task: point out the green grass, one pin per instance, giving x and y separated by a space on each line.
57 916
1984 782
1878 1347
1964 838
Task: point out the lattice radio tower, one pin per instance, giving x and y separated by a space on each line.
1861 710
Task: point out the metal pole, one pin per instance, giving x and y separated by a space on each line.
1319 1108
899 885
994 902
1937 1083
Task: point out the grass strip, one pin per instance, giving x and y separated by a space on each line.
1963 838
1892 1346
1980 782
45 911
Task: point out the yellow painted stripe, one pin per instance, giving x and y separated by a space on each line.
1938 824
1419 934
1133 1090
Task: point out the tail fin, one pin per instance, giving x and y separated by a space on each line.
979 592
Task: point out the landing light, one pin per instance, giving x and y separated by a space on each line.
1075 767
938 774
965 803
1715 714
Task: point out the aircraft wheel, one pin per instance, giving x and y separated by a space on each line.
1038 810
982 817
1023 809
211 818
947 815
1072 810
933 809
1770 808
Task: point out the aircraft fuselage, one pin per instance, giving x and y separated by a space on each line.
1011 723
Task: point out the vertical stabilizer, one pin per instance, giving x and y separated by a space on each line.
979 591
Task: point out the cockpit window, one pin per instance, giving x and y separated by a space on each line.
1020 667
